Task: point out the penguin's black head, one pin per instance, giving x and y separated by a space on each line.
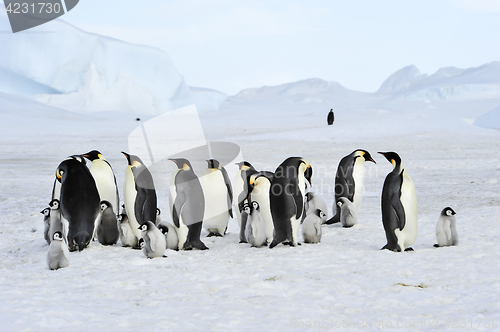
93 155
163 229
392 157
54 204
366 155
318 213
182 163
308 173
129 158
158 211
141 243
213 163
246 164
448 211
57 236
143 227
45 212
105 205
309 195
255 206
81 240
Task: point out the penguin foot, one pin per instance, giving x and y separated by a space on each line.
409 249
214 234
136 247
164 256
243 242
273 244
199 245
436 245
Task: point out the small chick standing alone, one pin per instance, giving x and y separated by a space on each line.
446 229
311 228
58 255
154 240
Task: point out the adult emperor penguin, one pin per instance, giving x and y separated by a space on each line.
58 254
350 181
139 194
170 234
314 201
187 205
330 117
259 186
105 179
254 229
245 170
287 199
154 240
127 236
107 230
348 214
218 198
311 228
399 206
79 202
446 228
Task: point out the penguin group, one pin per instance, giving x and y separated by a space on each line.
270 207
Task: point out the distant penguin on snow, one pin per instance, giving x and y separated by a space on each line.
349 181
399 207
255 231
287 192
79 202
311 228
154 240
446 228
348 214
218 198
58 254
330 118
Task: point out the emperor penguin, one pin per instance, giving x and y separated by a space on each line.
218 198
446 228
330 117
139 194
154 240
105 179
46 224
58 254
79 202
254 228
245 213
259 186
127 236
314 201
399 207
311 227
348 214
245 170
170 234
107 230
187 205
350 181
287 199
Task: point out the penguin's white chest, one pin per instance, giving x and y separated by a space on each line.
181 231
105 182
295 220
358 174
409 200
129 196
238 186
216 214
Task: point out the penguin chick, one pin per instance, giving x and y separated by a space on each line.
58 254
107 231
170 234
154 240
446 228
127 236
244 213
348 214
46 224
311 228
255 230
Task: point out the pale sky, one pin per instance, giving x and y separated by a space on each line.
230 45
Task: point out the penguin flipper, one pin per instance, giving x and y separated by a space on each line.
399 211
229 191
139 204
152 243
317 227
180 199
298 199
447 229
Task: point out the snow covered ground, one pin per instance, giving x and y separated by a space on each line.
343 283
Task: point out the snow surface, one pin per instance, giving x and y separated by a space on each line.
345 280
